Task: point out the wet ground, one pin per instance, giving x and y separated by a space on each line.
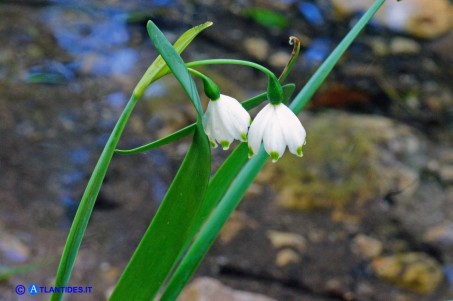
367 214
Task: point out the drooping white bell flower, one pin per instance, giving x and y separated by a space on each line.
225 120
277 126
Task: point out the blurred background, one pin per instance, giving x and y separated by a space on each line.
366 214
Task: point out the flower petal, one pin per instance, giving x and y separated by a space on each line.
273 139
215 127
257 128
241 120
293 130
235 118
208 124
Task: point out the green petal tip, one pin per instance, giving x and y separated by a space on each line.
274 156
225 144
299 151
251 153
212 143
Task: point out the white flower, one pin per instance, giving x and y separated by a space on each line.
225 120
277 126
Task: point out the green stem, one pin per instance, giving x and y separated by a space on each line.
294 55
88 200
199 74
209 86
232 62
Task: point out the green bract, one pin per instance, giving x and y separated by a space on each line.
274 91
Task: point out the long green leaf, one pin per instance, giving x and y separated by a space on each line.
170 229
159 67
246 176
88 200
186 131
220 182
175 63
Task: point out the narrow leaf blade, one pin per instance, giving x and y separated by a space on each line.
170 229
164 239
158 143
159 68
175 63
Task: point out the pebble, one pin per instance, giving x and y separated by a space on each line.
380 46
108 292
287 257
286 239
443 167
440 234
257 47
446 174
279 59
411 17
13 249
109 273
404 46
206 288
413 271
366 246
237 222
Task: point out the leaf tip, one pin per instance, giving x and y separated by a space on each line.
149 23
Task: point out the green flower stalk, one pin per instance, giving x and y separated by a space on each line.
209 86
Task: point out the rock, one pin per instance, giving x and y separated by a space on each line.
109 273
379 46
440 234
411 17
286 239
108 292
446 174
13 249
442 167
237 221
443 47
404 46
413 271
279 59
205 288
348 158
366 246
257 47
287 257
